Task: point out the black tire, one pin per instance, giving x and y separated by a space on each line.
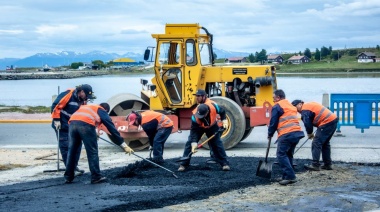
235 116
122 105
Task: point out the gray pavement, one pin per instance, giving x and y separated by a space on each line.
353 146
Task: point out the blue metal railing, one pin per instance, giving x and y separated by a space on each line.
359 110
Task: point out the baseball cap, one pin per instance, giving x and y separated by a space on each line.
296 102
88 91
200 92
201 111
132 118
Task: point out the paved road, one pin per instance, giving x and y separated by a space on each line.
353 147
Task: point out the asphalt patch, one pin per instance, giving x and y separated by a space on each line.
138 186
200 180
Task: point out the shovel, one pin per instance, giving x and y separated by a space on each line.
143 158
187 159
265 169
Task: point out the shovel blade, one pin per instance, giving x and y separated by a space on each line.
264 169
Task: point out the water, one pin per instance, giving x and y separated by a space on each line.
306 87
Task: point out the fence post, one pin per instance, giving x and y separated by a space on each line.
326 100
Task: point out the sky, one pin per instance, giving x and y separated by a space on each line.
28 27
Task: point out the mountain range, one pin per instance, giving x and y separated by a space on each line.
65 58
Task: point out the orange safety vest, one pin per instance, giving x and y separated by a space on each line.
288 121
214 117
322 114
163 121
56 114
88 114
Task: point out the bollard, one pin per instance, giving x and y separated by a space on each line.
326 100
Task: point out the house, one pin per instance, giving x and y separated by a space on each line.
298 59
237 60
366 57
275 58
125 62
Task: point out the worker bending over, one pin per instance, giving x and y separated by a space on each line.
205 119
157 126
82 127
314 114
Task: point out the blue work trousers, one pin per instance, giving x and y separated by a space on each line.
215 144
64 145
321 143
285 150
159 143
78 132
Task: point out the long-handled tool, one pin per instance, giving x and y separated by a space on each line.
187 158
265 169
58 169
143 158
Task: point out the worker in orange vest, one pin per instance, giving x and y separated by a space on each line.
157 126
62 108
284 120
82 128
314 114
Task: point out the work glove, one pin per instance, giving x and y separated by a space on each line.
225 124
310 136
57 125
194 147
127 149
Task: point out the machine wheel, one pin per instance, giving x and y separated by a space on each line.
122 105
235 116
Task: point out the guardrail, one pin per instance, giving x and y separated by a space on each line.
359 110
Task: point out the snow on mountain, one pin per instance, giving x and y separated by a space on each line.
65 58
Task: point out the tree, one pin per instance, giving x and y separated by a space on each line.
299 53
317 55
76 65
262 56
251 58
307 53
99 63
330 50
377 47
335 55
324 52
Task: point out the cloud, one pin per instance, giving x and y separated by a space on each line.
125 25
11 32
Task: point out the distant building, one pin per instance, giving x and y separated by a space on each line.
125 62
366 57
275 58
237 60
298 59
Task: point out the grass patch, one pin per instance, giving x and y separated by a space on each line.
24 109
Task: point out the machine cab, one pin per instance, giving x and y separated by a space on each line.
180 55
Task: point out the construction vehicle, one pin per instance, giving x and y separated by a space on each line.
184 63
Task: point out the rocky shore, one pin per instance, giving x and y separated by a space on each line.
51 75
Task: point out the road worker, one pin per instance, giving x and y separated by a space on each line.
289 132
62 108
157 126
314 114
82 127
205 119
201 97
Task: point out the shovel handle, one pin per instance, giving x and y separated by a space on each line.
266 156
207 140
